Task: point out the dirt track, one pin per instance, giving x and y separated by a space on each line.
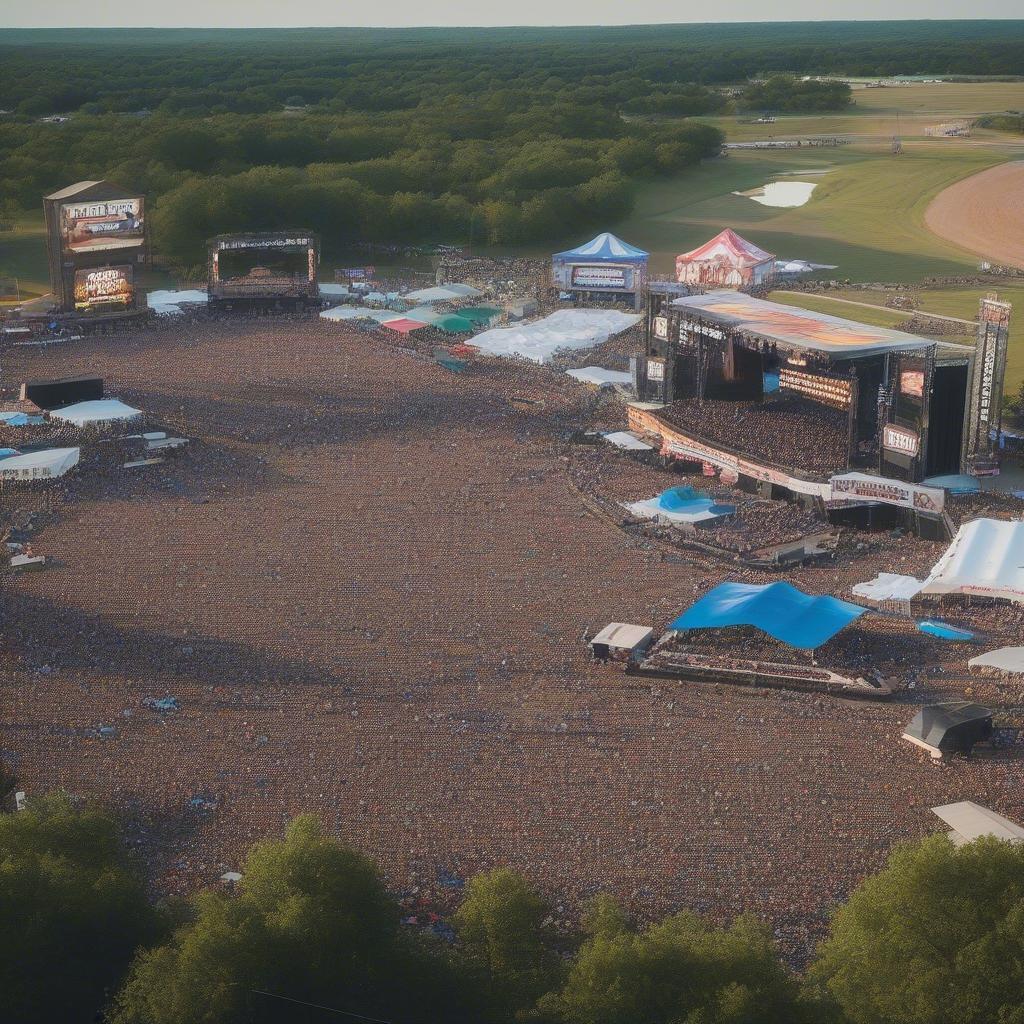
984 214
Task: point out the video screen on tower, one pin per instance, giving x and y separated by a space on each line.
104 288
102 225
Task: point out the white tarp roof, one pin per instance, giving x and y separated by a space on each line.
623 635
985 558
100 410
360 313
563 329
443 293
1009 659
598 376
888 586
44 465
332 288
969 821
627 440
169 301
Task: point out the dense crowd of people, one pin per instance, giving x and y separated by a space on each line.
366 585
790 432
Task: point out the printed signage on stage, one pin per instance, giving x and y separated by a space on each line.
899 439
102 225
985 413
656 369
828 390
661 327
104 286
853 486
600 277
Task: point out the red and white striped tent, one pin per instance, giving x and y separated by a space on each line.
727 261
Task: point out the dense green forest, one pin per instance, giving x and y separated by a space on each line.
483 135
310 932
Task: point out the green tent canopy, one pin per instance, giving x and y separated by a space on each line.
454 324
478 314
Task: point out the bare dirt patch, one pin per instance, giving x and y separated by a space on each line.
984 214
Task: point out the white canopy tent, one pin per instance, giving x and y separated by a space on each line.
97 411
888 586
970 821
42 465
986 558
443 293
627 440
169 302
564 329
1006 659
360 313
600 377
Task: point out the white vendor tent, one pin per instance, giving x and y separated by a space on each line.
331 288
986 558
170 302
564 329
42 465
599 377
100 410
621 637
970 821
443 293
889 586
360 313
1006 659
627 440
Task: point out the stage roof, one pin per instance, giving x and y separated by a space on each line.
606 247
797 328
778 609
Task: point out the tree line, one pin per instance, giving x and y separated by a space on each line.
310 931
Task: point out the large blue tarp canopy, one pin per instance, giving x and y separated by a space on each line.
606 247
778 609
689 501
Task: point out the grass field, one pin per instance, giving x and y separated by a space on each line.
897 110
866 215
23 256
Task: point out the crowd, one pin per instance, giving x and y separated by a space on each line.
791 432
366 586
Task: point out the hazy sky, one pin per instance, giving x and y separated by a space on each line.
260 13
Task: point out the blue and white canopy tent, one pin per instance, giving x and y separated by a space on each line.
604 248
605 268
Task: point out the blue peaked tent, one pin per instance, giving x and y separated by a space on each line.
778 609
606 247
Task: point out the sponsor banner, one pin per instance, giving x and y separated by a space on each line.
912 383
701 327
100 226
226 244
655 369
104 286
899 439
828 390
600 277
854 486
355 273
661 327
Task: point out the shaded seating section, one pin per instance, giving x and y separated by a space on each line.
949 728
778 609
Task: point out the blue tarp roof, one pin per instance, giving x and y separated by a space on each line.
778 609
690 501
605 247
